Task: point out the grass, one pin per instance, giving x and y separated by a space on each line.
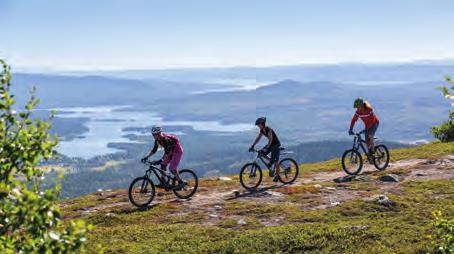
355 226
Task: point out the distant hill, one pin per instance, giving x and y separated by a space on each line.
344 72
324 109
86 91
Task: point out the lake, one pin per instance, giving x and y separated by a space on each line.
106 125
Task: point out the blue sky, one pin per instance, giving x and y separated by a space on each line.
134 34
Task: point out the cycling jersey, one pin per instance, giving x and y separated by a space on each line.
172 151
275 141
367 115
170 143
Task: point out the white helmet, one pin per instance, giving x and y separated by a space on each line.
156 129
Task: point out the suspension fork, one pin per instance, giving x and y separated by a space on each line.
144 184
254 167
354 148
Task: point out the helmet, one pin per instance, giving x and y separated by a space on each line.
156 129
358 103
260 120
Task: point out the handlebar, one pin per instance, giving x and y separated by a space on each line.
152 163
254 150
358 133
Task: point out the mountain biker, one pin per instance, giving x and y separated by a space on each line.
365 111
172 150
272 147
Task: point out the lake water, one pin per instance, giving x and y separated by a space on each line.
106 125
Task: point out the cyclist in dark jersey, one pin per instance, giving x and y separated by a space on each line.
272 147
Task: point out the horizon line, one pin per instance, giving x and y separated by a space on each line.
422 61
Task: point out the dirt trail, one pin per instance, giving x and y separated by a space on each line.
318 189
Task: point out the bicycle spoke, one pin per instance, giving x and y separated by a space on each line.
189 181
141 192
288 170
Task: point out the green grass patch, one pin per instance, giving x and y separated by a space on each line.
356 226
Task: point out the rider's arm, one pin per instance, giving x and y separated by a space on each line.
154 150
354 119
257 139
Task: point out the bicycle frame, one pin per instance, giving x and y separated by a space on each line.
265 159
159 175
359 143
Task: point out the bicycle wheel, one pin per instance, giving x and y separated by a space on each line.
381 157
251 176
191 183
352 162
289 170
141 192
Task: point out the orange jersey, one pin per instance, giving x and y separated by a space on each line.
367 115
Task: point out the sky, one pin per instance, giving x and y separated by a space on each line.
140 34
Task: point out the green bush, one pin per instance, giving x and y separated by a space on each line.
443 240
29 220
445 131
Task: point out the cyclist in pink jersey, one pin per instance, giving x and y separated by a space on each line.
172 150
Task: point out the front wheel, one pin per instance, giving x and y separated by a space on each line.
141 192
288 170
190 184
381 157
251 176
352 162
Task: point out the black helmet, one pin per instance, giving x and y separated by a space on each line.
260 120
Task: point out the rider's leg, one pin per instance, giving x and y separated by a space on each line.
277 166
370 138
165 161
173 165
275 151
371 144
275 158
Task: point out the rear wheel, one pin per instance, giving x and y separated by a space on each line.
251 176
352 162
381 157
191 182
289 170
141 192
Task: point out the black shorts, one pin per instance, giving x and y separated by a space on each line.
371 131
275 151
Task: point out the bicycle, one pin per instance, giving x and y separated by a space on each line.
352 157
143 190
251 174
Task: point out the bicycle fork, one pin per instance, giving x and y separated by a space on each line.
143 189
254 169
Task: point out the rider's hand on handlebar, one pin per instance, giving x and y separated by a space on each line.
351 133
251 149
144 159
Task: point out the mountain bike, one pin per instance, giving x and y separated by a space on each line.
352 161
143 190
251 174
